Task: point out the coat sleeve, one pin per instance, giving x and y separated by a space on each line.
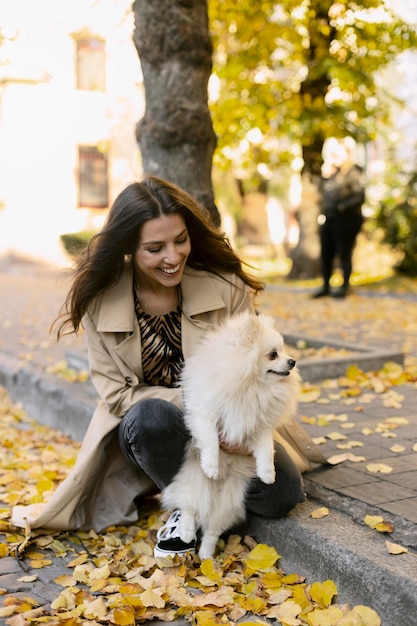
118 387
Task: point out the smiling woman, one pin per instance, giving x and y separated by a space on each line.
159 261
147 289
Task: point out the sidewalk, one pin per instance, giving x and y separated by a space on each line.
362 420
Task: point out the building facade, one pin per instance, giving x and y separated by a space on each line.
71 93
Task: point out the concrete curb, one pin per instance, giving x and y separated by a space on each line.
335 547
46 398
353 556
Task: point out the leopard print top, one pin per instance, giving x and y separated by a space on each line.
162 357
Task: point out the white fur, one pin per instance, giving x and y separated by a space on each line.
240 385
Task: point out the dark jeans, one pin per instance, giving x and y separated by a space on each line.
153 437
337 239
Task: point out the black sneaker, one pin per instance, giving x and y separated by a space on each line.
169 540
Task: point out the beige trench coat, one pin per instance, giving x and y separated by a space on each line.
101 488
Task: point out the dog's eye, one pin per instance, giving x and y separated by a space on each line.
273 355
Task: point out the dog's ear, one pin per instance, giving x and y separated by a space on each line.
267 320
245 328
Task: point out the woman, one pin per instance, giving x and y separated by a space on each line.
149 285
342 196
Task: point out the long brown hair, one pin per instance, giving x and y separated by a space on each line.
101 265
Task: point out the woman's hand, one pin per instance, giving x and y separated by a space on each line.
233 449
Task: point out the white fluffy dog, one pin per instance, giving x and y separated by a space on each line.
238 386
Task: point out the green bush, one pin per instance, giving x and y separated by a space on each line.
397 217
74 243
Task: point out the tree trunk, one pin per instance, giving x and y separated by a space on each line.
176 136
306 255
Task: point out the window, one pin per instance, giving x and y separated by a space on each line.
93 183
90 64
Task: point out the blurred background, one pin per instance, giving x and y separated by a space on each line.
286 78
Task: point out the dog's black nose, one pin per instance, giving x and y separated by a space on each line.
291 363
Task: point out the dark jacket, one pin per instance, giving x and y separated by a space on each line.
343 193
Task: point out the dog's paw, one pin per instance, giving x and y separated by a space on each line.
187 534
267 475
210 466
188 528
211 471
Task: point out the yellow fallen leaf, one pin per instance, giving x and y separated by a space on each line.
278 597
366 431
305 419
45 484
414 448
354 458
59 603
4 550
96 609
397 420
325 617
100 572
286 613
385 527
323 593
319 513
380 468
395 548
262 557
309 394
354 372
336 436
28 578
39 563
6 611
122 617
65 580
335 459
207 618
368 616
397 448
251 604
209 569
373 520
349 445
322 421
150 598
292 579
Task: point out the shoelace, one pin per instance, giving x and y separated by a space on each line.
170 529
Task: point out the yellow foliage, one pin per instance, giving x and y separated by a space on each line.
261 558
323 593
209 569
118 564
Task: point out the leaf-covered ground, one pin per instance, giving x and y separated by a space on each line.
113 578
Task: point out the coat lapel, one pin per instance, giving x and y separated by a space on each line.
116 314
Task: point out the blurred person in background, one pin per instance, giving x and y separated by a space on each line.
341 219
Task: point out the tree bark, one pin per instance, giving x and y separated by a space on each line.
176 136
306 255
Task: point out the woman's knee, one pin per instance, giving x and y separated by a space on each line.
151 417
278 499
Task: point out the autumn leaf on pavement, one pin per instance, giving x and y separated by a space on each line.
261 558
319 513
395 548
381 468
